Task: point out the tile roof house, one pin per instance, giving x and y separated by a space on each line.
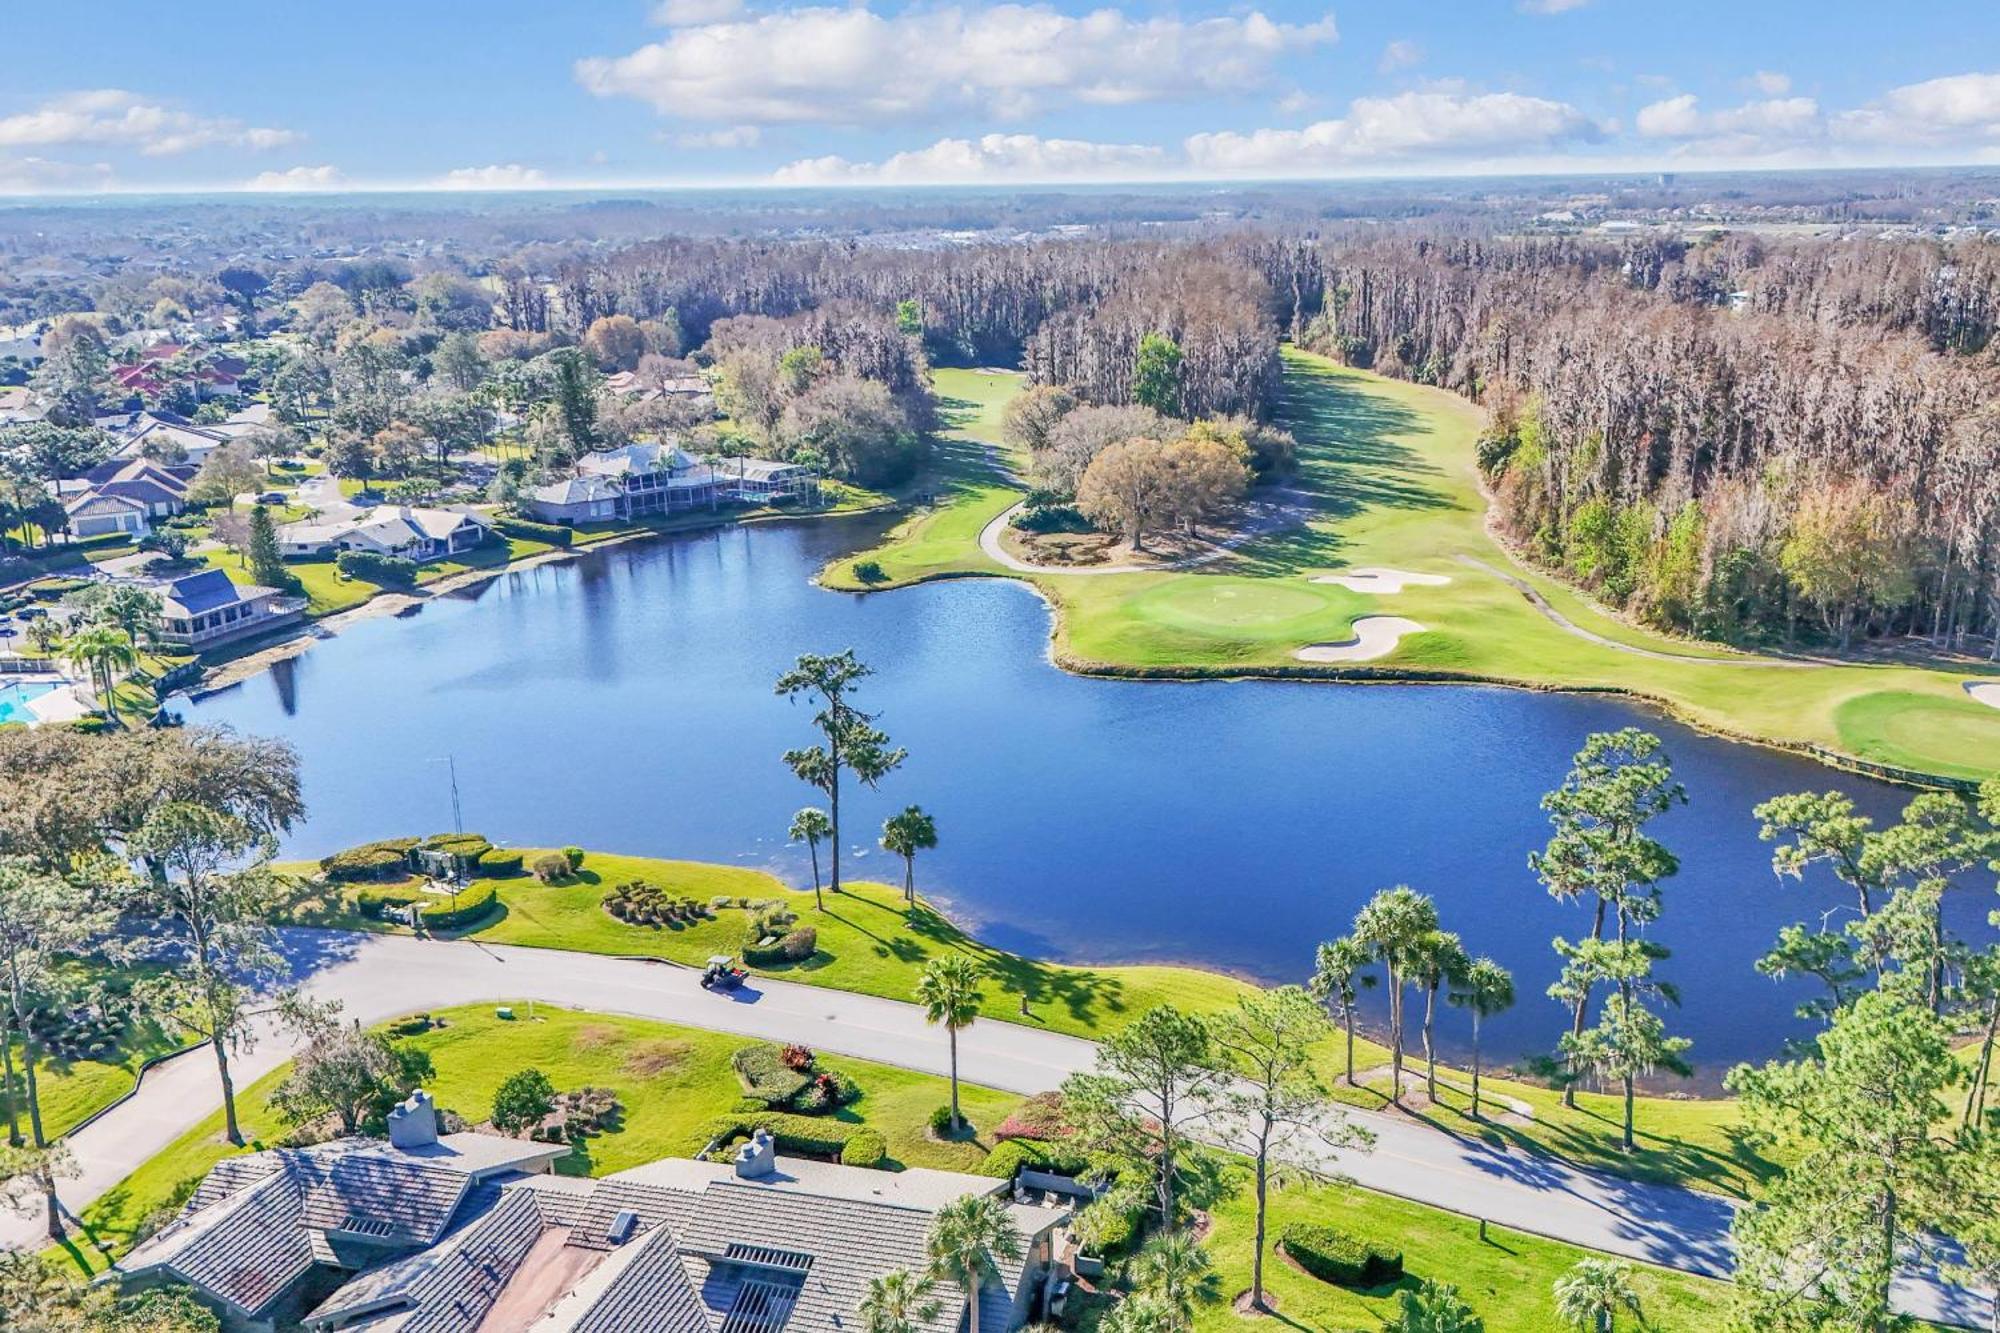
201 610
125 495
410 531
654 478
167 434
485 1244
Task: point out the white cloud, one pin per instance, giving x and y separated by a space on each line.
1959 110
1400 55
297 179
111 116
1755 129
1296 102
512 176
1771 83
736 136
1550 6
1408 126
853 65
991 157
694 13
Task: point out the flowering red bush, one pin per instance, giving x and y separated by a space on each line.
798 1057
1040 1117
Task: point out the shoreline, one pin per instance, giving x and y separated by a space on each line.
1363 674
263 654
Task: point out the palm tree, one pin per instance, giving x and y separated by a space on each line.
1339 977
898 1301
809 826
1177 1272
970 1237
1439 957
1392 926
948 989
1137 1314
103 652
1433 1307
905 835
1485 989
1589 1296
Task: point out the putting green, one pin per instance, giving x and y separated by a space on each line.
1242 607
1908 729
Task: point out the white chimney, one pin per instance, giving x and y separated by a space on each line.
759 1157
414 1123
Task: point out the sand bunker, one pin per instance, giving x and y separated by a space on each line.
1377 580
1985 691
1374 636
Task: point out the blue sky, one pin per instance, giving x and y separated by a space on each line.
511 93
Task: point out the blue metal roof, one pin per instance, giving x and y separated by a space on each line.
204 591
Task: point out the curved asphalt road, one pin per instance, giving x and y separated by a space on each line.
377 977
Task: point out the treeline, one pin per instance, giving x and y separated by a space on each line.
1735 440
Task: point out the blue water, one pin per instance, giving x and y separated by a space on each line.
15 697
624 702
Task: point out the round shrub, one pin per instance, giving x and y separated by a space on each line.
864 1147
1334 1256
371 860
800 944
550 867
1007 1159
498 862
869 571
941 1123
573 855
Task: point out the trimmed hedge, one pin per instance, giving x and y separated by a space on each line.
473 903
384 571
498 862
793 947
864 1147
794 1133
1334 1256
371 860
1008 1157
529 530
766 1076
381 901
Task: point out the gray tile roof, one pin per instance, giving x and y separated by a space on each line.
379 1196
451 1285
655 1293
254 1252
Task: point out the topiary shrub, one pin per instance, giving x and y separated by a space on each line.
573 855
385 901
385 571
869 571
800 945
1007 1159
864 1147
1334 1256
371 860
793 1133
550 867
498 863
439 914
765 1075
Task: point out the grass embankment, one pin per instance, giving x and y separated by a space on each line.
871 944
1387 477
672 1082
1507 1277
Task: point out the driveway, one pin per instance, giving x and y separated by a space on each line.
377 977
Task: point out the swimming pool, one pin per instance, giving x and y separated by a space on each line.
15 696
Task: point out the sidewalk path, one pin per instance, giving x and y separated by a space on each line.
377 977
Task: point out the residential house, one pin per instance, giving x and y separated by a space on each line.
412 532
468 1232
574 500
652 478
199 611
162 434
125 495
18 406
641 479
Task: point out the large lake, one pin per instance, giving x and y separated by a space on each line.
623 701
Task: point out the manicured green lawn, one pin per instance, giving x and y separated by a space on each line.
967 491
1506 1277
672 1083
1386 471
870 943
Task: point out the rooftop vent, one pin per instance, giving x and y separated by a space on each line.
763 1256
